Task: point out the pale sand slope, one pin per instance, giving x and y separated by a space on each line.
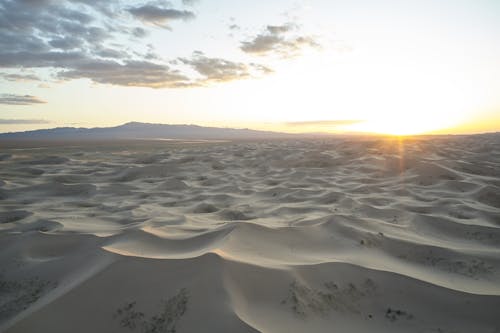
338 235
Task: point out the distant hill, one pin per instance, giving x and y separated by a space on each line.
136 130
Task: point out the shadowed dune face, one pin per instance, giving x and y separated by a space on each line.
350 235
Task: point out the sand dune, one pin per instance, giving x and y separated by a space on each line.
332 235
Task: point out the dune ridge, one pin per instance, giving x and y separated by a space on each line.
332 235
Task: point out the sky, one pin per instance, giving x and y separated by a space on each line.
386 66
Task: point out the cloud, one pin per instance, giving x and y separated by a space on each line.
339 122
109 53
23 121
29 29
222 70
216 69
109 8
262 44
19 77
279 40
40 34
12 99
139 32
159 16
66 43
190 2
33 59
261 68
130 73
75 39
280 29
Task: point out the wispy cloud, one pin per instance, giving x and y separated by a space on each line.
222 70
160 15
19 77
322 123
190 2
23 121
12 99
283 40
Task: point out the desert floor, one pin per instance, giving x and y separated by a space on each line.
326 235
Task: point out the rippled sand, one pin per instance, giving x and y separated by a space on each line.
337 235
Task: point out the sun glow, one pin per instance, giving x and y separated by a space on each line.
389 97
427 120
396 127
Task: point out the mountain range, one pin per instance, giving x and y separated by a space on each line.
137 130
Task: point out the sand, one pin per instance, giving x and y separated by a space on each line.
329 235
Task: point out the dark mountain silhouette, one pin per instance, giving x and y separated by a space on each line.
136 130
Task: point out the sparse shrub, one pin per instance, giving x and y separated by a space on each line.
165 322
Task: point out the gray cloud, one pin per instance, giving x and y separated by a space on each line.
216 69
106 7
130 73
280 29
190 2
75 15
153 75
109 53
340 122
261 68
262 44
55 59
280 40
222 70
51 31
19 77
75 39
139 32
66 43
159 15
13 99
23 121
